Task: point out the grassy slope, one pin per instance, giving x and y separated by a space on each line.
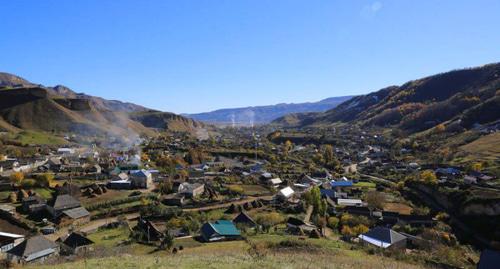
215 260
320 253
39 138
485 148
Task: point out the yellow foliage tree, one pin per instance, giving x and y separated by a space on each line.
359 229
17 177
346 231
428 177
440 128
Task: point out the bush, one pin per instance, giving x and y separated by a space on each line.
333 222
45 180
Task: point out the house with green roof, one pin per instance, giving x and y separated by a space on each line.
221 230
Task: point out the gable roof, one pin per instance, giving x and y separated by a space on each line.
384 235
142 173
75 240
76 213
244 218
65 201
341 183
31 246
225 227
295 221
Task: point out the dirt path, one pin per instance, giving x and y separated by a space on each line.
309 212
378 179
228 204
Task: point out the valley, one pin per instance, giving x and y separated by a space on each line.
381 180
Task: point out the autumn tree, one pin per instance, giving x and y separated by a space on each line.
347 232
287 147
440 128
17 177
359 229
428 177
375 199
330 160
476 167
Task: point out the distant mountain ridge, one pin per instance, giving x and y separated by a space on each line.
461 97
264 114
28 106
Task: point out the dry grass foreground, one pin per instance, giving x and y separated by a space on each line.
275 260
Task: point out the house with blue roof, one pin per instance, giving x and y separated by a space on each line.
221 230
341 183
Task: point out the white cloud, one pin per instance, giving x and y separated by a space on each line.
369 11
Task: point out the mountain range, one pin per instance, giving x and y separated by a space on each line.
28 106
245 116
459 99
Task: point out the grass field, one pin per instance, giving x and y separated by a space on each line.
398 207
45 193
109 237
485 148
39 138
318 253
365 184
253 189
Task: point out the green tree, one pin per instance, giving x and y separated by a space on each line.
45 180
167 242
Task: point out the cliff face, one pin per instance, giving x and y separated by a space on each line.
464 203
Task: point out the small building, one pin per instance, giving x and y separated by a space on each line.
34 249
275 182
76 243
173 200
470 180
8 241
150 230
63 203
384 238
244 219
33 204
221 230
120 177
341 183
141 179
349 202
75 216
296 225
120 184
286 193
191 190
7 209
65 151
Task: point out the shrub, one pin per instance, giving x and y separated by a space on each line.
333 222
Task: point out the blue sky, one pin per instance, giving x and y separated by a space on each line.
194 56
